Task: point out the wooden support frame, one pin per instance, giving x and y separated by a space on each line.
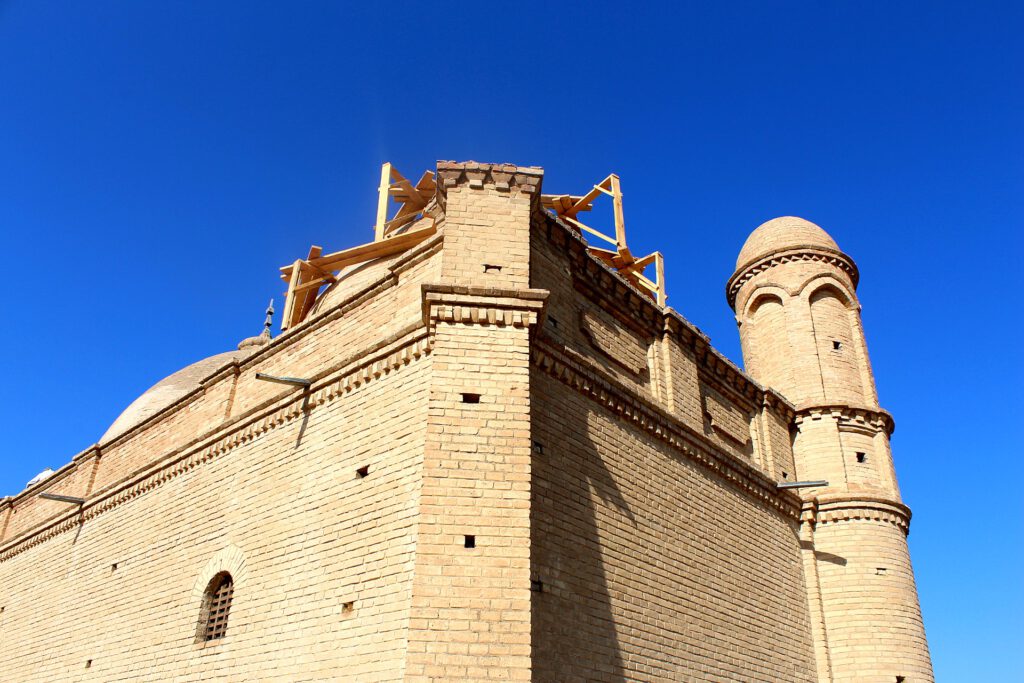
411 198
567 207
306 276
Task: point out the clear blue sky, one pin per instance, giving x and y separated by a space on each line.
159 161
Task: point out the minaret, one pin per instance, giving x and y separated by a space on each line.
794 294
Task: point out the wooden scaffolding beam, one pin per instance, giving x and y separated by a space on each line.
567 207
306 276
411 198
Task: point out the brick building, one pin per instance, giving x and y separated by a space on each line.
485 449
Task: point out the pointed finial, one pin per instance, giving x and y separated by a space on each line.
270 318
264 337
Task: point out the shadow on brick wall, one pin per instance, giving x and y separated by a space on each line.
574 635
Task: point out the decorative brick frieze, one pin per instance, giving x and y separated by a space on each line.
831 510
482 306
605 287
477 176
574 371
808 253
370 367
778 403
848 417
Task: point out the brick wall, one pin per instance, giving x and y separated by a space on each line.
869 596
311 533
651 568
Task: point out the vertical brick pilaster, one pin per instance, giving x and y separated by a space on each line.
487 211
470 616
470 610
682 378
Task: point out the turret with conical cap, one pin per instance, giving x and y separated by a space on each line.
794 294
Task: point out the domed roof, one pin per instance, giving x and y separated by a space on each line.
168 390
782 233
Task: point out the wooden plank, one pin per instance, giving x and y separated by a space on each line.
640 264
585 201
382 201
561 202
589 229
653 286
306 302
426 186
660 270
404 192
289 300
620 221
373 250
603 255
315 284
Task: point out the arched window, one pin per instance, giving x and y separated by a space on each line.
216 606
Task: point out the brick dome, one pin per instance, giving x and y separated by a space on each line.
167 391
352 281
786 232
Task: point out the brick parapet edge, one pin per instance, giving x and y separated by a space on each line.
231 369
600 283
606 391
477 176
246 427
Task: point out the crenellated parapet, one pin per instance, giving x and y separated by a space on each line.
476 176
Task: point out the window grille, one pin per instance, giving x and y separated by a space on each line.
219 600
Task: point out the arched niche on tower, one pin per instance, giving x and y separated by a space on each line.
839 342
764 335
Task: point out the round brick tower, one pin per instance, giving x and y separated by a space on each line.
794 294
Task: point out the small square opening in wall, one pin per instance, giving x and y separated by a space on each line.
348 607
363 472
469 542
785 475
901 679
552 322
862 457
88 664
538 448
880 570
492 268
836 344
470 398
